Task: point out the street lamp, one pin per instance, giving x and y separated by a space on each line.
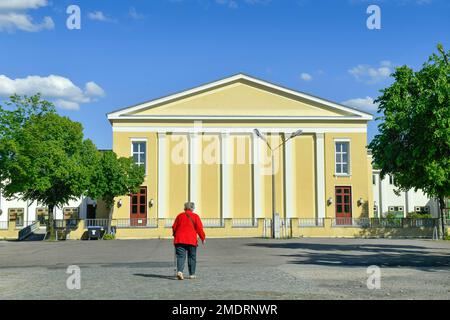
272 154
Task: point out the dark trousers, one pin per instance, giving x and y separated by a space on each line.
181 250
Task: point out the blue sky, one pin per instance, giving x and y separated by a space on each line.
132 51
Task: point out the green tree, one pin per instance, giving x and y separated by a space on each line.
47 159
413 143
114 177
12 118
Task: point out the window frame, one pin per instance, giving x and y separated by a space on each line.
140 140
349 168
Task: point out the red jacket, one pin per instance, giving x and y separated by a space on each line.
184 230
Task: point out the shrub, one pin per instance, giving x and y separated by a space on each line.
416 215
109 236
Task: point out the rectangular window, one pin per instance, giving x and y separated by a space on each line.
342 157
374 179
139 153
391 179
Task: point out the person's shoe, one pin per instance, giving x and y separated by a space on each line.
180 276
193 276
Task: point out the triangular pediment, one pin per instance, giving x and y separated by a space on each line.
240 96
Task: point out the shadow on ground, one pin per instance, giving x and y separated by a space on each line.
157 276
342 255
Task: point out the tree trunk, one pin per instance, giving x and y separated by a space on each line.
441 213
110 214
51 227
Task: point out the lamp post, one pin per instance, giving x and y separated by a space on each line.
272 154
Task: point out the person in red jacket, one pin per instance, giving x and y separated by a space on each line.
185 229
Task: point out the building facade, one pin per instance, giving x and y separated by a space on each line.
200 145
388 201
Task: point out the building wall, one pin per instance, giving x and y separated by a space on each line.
385 197
243 202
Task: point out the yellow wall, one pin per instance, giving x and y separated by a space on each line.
360 176
210 170
238 99
242 199
122 146
177 188
304 172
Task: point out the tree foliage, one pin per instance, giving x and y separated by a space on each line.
114 177
413 143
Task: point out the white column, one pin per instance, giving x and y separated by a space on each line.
162 175
320 175
225 148
194 169
290 177
257 181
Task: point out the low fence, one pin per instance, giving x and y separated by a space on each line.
136 223
223 228
29 229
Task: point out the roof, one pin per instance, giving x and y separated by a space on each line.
126 113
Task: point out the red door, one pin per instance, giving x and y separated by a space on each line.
343 205
138 210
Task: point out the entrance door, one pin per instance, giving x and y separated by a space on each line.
138 213
91 209
343 205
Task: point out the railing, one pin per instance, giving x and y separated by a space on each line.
311 222
30 228
65 224
244 223
96 223
168 223
4 225
24 224
213 223
136 223
384 222
267 228
351 222
285 228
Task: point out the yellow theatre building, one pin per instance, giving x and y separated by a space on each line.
200 145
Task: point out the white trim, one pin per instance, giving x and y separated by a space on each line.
236 129
146 150
289 162
194 169
119 114
349 162
225 146
320 175
257 186
162 175
233 118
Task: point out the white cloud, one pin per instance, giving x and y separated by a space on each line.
99 16
59 89
133 14
14 16
366 104
93 89
14 5
372 75
306 77
233 4
11 21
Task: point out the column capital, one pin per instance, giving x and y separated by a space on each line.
320 135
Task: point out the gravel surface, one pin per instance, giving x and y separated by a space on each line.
228 269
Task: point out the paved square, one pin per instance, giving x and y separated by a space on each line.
228 269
